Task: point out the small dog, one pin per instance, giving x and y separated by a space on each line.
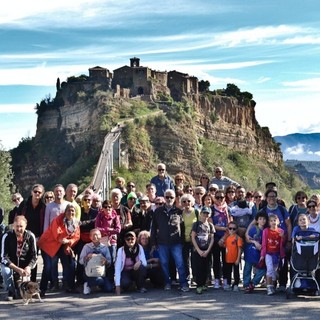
29 289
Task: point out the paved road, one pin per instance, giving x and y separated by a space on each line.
158 304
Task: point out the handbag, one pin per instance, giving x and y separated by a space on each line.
94 268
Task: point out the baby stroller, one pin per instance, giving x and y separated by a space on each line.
304 263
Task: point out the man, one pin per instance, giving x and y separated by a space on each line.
141 215
131 187
90 249
162 181
272 186
34 209
18 255
71 194
222 181
151 193
53 209
16 199
167 234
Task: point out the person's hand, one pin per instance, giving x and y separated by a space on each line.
137 265
89 256
257 245
103 261
237 262
281 233
261 259
118 290
65 241
27 271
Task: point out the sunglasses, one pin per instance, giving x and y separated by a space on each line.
134 199
17 199
107 207
158 203
219 198
37 192
184 201
168 197
256 197
230 228
218 171
49 197
131 186
204 178
212 189
161 169
129 238
87 200
309 207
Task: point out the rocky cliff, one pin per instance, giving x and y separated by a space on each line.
71 128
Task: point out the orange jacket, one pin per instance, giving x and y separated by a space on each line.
50 243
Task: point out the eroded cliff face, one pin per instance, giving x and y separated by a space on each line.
236 127
71 134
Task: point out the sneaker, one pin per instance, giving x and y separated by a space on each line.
251 286
175 283
216 284
199 290
205 288
86 288
9 298
167 287
236 288
185 288
270 291
247 290
142 290
282 289
227 287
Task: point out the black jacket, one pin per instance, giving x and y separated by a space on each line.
167 226
28 255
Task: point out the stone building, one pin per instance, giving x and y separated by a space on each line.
181 84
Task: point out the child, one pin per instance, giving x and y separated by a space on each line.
202 240
252 254
233 244
272 250
303 225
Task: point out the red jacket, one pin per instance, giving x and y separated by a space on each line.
50 243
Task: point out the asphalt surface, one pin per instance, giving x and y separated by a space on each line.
160 304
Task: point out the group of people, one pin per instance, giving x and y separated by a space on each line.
170 233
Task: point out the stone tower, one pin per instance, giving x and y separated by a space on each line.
134 62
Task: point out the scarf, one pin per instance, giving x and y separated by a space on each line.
132 253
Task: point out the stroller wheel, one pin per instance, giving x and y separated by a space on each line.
317 293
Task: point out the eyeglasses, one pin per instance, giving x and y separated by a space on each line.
49 197
309 207
107 207
168 197
37 191
158 203
256 197
230 228
219 198
184 201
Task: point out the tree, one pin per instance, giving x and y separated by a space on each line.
6 176
232 90
204 86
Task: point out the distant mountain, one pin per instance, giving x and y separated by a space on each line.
300 146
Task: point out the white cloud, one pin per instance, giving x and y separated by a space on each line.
312 84
296 150
317 153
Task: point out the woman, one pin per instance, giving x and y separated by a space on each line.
123 214
130 266
154 271
313 215
300 206
58 240
179 194
188 189
108 223
204 181
207 200
189 215
179 180
257 202
220 218
230 194
48 197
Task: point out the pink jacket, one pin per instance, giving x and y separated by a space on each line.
109 225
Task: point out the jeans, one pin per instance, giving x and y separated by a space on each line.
8 280
247 274
46 271
164 254
102 282
236 273
130 276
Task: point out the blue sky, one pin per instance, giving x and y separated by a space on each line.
269 48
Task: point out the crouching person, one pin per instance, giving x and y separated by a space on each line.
96 259
18 255
130 266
